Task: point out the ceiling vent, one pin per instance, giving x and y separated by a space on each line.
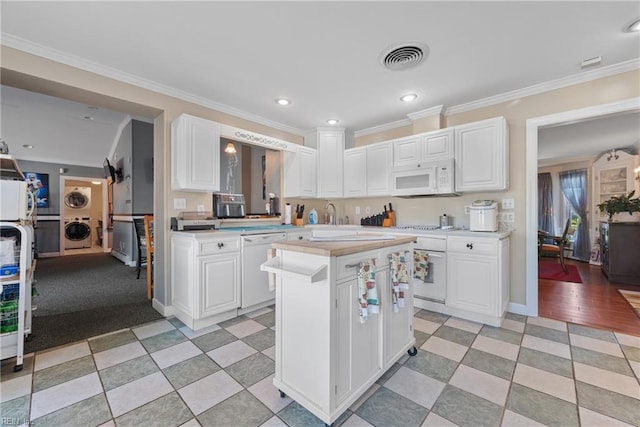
404 56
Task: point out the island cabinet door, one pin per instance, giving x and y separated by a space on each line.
219 280
358 344
398 322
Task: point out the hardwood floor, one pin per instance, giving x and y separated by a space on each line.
596 302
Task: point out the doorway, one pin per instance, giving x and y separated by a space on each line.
532 135
83 215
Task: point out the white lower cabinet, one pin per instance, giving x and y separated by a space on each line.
478 278
205 278
357 343
218 276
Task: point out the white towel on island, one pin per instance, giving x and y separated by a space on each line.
399 280
367 292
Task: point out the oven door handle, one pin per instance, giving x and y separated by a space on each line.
435 255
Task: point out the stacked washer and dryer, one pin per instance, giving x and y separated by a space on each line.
77 224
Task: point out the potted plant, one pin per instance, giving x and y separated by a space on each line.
619 204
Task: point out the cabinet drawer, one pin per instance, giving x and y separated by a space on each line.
215 246
473 246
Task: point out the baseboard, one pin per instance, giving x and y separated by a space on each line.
516 308
48 254
165 310
124 258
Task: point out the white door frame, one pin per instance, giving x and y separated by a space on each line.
105 201
531 160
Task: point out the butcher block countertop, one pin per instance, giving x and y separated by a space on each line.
343 245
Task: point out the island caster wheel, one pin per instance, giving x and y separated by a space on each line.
17 368
282 395
412 351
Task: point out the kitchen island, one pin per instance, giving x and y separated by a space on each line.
329 350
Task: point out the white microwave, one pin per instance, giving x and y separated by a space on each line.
424 179
14 200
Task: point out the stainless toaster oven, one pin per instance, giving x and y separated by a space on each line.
228 205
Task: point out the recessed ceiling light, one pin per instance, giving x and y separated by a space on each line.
283 101
634 26
333 121
27 146
408 97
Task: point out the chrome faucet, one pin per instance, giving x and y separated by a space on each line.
332 216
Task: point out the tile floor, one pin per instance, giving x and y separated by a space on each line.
530 372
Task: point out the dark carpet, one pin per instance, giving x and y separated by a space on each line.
553 271
81 296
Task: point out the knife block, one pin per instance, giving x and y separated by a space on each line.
298 222
392 218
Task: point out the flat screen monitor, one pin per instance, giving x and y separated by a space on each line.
109 171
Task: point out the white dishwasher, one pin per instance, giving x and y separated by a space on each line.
255 283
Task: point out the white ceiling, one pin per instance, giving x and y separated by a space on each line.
588 139
324 56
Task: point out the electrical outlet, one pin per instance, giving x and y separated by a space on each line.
179 203
467 209
367 210
200 208
508 217
508 204
357 210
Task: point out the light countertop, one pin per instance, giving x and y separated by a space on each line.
337 248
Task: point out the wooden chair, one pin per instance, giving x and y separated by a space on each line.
148 233
142 243
555 245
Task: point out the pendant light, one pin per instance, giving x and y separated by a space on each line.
230 148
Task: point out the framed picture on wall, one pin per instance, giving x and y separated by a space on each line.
38 183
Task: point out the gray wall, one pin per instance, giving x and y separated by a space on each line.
133 195
53 169
48 232
142 150
121 159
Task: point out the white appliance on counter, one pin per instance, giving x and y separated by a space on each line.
484 215
255 283
424 179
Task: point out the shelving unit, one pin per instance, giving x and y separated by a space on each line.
16 295
612 176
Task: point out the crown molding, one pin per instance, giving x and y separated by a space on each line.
382 128
563 82
24 45
586 76
433 111
60 161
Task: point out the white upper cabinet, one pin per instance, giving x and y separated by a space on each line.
378 164
330 163
425 147
437 145
195 154
355 172
482 155
300 172
406 151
